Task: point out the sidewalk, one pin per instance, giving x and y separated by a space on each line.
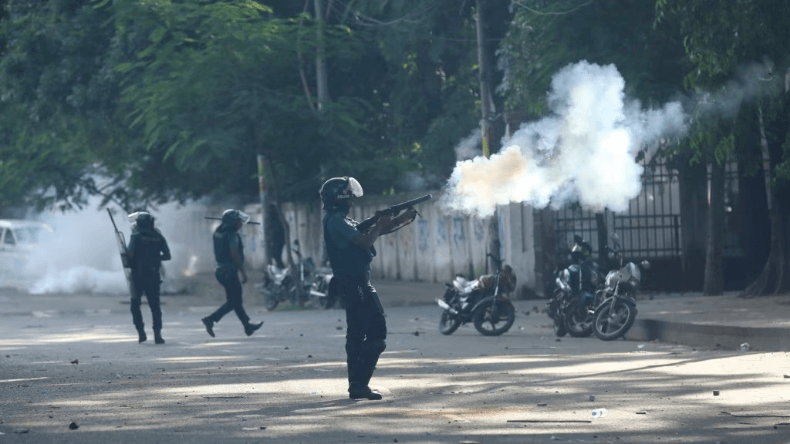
692 319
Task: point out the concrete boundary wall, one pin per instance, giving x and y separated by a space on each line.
434 248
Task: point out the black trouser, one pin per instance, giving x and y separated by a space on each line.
367 329
150 286
229 278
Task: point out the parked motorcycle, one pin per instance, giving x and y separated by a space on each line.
572 305
323 292
279 286
482 302
616 312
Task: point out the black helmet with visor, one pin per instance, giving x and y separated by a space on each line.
337 192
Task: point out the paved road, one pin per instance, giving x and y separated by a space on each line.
82 364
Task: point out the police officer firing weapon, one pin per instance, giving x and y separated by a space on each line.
229 253
350 248
147 249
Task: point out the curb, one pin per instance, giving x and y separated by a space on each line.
720 336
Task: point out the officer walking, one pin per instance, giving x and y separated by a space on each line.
147 249
350 254
229 253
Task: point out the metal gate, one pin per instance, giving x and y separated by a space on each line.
649 228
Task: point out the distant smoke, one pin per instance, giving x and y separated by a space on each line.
413 181
585 151
750 81
469 147
81 256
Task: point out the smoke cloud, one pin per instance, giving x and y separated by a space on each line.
470 147
584 151
82 256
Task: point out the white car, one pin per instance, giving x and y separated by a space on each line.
18 240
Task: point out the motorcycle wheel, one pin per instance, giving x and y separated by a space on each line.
270 300
612 322
505 316
448 324
559 327
578 321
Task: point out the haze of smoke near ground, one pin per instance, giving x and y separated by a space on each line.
584 151
82 254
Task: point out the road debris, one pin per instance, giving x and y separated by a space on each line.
542 421
745 346
599 413
76 361
592 398
715 393
73 426
253 428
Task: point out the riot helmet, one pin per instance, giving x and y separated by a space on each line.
141 220
338 192
231 217
581 251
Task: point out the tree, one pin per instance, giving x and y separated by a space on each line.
720 40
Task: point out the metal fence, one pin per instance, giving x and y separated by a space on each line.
649 228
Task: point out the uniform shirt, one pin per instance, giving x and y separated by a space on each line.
347 259
146 248
224 240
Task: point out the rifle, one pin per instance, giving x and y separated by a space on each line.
391 211
127 271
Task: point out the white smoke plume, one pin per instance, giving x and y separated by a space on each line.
81 256
584 151
470 147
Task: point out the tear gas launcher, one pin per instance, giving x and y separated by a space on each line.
219 218
127 270
392 211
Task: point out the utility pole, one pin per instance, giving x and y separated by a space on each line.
264 208
322 89
486 103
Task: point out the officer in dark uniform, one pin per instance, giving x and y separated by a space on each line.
350 254
229 253
147 249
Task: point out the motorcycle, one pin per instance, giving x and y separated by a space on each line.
575 296
616 312
279 286
323 292
487 308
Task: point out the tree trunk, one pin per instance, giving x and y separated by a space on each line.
693 218
293 266
775 276
714 258
751 219
494 246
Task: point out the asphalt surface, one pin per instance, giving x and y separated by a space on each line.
74 359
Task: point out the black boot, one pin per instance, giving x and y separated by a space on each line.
358 391
209 326
141 337
158 338
250 328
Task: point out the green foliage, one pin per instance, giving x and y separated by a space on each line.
615 32
721 38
